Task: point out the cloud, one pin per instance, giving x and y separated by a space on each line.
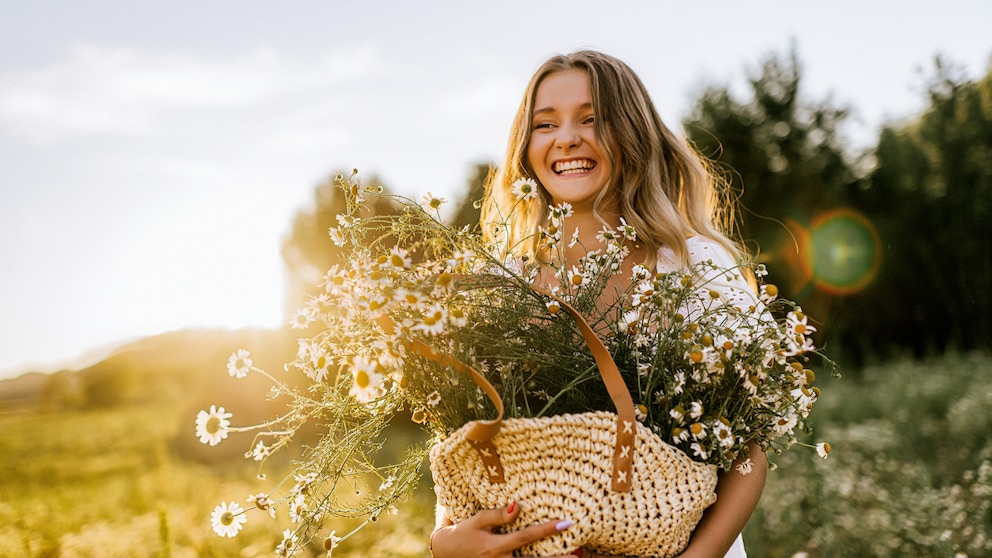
122 91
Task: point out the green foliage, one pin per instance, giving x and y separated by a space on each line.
929 195
910 473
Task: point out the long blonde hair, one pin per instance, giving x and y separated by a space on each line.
665 190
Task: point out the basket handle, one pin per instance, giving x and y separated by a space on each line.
482 432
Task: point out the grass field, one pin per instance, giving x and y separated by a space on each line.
910 475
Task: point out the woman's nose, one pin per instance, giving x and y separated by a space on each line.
567 138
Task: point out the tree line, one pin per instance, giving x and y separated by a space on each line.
888 248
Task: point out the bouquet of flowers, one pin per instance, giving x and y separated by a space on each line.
708 377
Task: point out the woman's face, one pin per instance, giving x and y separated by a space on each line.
564 151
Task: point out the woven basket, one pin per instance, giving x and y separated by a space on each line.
629 493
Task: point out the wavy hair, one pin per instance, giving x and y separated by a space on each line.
664 188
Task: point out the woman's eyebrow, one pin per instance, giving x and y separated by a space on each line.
545 110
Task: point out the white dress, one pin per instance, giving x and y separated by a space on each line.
733 288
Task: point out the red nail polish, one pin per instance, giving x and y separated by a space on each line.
579 552
512 508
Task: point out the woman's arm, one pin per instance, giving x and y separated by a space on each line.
737 496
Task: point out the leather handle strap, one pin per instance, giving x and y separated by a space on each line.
482 432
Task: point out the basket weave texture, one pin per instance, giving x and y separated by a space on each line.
560 467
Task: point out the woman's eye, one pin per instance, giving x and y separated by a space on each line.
589 120
540 125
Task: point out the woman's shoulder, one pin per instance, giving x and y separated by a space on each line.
723 275
700 249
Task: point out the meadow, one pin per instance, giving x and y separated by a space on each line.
910 474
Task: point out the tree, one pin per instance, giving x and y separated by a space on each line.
308 251
783 158
931 190
467 213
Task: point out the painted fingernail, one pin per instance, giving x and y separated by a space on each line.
579 552
565 524
511 508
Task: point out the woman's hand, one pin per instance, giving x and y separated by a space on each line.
474 537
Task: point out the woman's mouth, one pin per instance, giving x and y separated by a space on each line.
574 166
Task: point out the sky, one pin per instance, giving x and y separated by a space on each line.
153 154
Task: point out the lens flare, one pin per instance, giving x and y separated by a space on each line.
842 252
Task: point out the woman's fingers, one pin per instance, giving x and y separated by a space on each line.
490 519
537 532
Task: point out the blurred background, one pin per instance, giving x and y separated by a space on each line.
166 174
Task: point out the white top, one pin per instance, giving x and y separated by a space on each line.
732 285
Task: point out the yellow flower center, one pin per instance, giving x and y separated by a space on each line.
362 379
213 425
227 518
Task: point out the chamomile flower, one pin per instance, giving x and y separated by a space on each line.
302 319
367 382
433 319
337 236
607 236
399 258
744 467
524 189
434 398
432 202
227 519
239 364
287 545
346 221
699 451
320 366
212 426
823 449
263 502
298 508
626 230
723 433
260 451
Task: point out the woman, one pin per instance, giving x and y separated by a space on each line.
590 136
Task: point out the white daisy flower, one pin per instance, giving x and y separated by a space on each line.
337 236
744 467
432 203
288 544
607 236
297 508
433 319
784 425
434 398
212 426
457 317
699 451
524 188
260 451
399 258
320 366
345 221
626 230
239 364
302 319
227 519
823 449
723 433
368 382
628 323
263 502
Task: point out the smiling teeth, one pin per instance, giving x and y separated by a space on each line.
570 167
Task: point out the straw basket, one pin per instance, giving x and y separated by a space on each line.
628 492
